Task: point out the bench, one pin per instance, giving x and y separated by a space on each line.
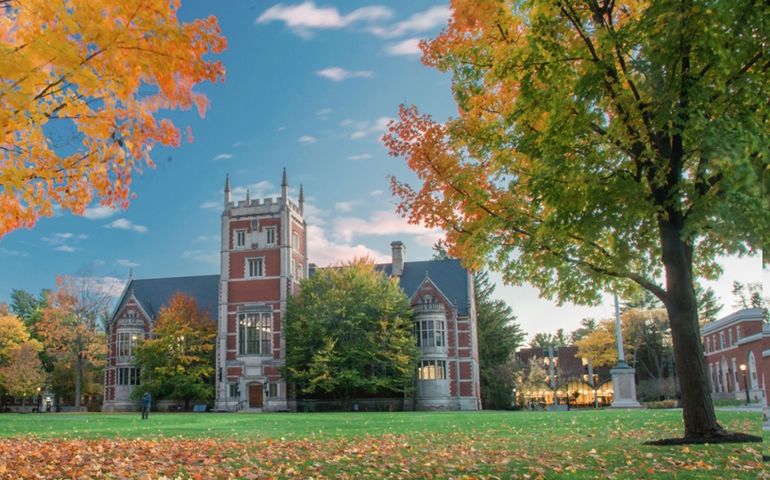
199 408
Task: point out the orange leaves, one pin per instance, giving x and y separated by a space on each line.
81 64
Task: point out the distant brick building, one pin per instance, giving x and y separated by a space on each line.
739 339
263 259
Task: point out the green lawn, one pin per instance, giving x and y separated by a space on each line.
581 444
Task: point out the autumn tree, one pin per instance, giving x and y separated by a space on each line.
178 361
600 346
20 368
71 326
83 83
22 373
349 330
600 146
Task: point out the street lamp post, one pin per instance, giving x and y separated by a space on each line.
745 383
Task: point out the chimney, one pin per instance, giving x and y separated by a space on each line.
398 252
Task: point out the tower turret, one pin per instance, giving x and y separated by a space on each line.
227 190
301 199
284 186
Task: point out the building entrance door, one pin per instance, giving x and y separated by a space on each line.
255 395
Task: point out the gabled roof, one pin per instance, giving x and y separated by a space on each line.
448 275
154 293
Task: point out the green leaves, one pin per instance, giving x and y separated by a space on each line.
349 330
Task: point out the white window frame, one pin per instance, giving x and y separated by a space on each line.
295 241
255 332
240 238
722 340
247 272
431 370
270 236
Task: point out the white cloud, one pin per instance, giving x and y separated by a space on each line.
383 222
223 156
109 286
60 241
205 256
419 22
363 156
344 206
100 212
238 144
324 252
211 205
364 129
126 263
204 238
408 47
324 113
338 74
305 18
307 139
124 224
263 189
14 253
376 193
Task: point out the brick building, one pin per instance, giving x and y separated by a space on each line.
263 259
737 351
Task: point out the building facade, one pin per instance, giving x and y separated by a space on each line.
263 258
133 319
737 351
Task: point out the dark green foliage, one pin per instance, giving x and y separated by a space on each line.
499 337
349 330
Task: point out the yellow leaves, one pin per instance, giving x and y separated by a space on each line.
82 62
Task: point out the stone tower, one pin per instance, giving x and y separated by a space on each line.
263 258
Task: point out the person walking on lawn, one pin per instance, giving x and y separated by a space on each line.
146 402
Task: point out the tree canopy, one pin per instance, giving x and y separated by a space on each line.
600 145
178 361
349 330
83 82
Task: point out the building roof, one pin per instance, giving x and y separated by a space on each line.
735 317
154 293
448 275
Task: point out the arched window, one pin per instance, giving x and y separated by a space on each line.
752 370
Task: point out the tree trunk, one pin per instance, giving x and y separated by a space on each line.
78 380
681 305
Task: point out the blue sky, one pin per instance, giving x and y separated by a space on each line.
310 87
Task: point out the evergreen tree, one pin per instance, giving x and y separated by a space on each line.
499 337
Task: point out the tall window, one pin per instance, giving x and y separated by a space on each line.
721 340
128 376
295 240
270 234
126 342
431 370
254 333
255 267
730 333
752 370
240 238
738 332
430 333
708 344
